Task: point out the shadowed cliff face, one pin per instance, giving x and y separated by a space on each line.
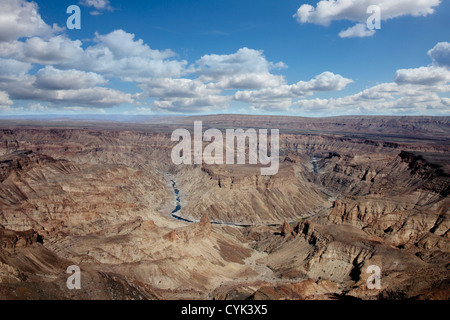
102 197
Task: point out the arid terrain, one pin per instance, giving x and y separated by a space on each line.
350 192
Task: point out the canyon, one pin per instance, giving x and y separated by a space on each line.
350 192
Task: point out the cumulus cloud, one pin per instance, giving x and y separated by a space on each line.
250 81
50 78
72 75
359 30
327 11
422 75
414 91
244 69
440 54
280 97
56 50
20 18
122 45
387 98
54 86
26 89
97 4
96 96
117 54
214 67
177 88
192 105
13 68
4 99
326 81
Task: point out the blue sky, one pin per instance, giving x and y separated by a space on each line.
225 56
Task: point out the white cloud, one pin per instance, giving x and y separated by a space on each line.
326 81
250 81
359 30
97 96
26 87
415 91
20 18
244 69
440 54
177 88
386 98
51 78
97 4
280 97
327 11
213 67
192 105
122 45
422 75
73 76
117 54
56 50
4 99
13 68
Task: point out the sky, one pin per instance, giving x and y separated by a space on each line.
290 57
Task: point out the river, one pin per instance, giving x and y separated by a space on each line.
178 208
178 203
314 164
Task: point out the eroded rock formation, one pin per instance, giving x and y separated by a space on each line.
350 193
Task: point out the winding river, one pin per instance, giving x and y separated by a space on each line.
178 203
178 208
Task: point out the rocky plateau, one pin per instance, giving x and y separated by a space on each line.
351 192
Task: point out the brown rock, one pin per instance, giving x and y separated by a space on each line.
83 186
286 229
171 236
204 226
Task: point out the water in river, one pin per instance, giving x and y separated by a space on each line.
178 206
314 163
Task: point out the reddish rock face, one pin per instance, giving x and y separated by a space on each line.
350 193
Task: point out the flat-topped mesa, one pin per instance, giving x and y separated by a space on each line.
243 176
